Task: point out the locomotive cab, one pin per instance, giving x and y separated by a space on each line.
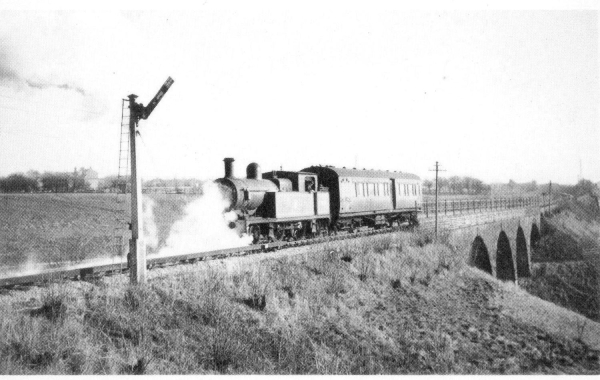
300 181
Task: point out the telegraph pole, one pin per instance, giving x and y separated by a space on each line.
137 246
437 169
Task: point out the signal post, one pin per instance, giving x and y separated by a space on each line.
136 259
137 246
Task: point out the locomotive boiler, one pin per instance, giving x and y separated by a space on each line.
244 194
276 205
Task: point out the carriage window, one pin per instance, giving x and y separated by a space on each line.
309 184
364 191
356 189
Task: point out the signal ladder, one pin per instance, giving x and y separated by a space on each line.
122 218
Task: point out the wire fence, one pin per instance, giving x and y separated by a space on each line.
43 231
39 231
461 206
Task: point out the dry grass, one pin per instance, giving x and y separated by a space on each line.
353 307
567 271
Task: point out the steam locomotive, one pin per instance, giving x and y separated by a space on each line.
318 200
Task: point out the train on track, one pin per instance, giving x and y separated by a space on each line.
318 200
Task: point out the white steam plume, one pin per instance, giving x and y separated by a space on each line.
150 230
204 226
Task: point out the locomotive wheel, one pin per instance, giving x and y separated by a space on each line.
255 231
333 231
278 234
300 234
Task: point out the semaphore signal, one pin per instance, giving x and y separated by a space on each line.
137 246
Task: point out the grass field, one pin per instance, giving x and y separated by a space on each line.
46 228
391 304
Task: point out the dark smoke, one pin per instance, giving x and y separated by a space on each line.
64 86
7 74
9 77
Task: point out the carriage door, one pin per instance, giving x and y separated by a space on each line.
393 193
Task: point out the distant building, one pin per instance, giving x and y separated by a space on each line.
91 178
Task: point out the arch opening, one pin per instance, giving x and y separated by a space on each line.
480 257
534 237
523 259
505 267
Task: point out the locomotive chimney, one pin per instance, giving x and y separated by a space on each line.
253 171
229 167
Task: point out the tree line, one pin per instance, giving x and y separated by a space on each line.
75 182
55 182
457 185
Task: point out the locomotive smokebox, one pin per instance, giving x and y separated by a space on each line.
229 167
253 171
244 194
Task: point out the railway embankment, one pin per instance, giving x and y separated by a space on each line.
566 262
398 303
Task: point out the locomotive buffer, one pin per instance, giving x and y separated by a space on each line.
136 258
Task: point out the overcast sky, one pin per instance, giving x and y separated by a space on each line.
494 94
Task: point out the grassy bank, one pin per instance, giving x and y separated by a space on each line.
388 304
565 264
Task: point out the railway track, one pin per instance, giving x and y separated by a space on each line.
88 271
